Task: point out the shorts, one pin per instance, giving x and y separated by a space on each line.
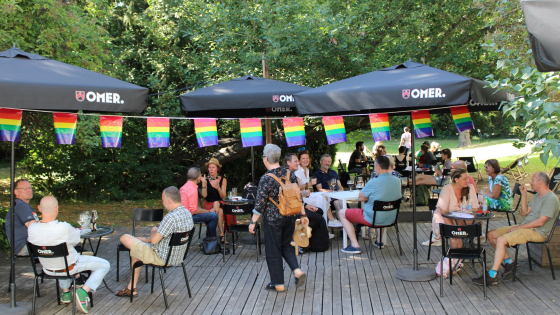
145 253
356 215
521 236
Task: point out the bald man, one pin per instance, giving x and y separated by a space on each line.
49 232
463 166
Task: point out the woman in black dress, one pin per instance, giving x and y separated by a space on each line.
213 191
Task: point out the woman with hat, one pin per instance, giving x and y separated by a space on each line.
213 191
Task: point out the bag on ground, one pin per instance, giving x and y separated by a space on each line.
210 246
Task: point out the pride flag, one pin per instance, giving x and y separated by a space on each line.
10 124
380 127
462 118
111 131
251 132
158 132
65 127
334 128
206 132
422 123
294 130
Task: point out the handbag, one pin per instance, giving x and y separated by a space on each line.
210 246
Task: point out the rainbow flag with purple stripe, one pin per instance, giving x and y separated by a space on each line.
294 130
206 132
422 123
380 127
251 132
462 118
335 130
65 127
158 132
111 131
10 124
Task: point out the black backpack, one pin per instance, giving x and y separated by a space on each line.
249 191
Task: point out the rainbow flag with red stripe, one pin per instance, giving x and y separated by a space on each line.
10 124
251 132
206 132
65 127
422 123
380 127
462 118
158 132
294 130
335 130
111 131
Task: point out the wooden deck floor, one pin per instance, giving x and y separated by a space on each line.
337 284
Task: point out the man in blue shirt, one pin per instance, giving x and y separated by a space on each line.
384 188
323 177
25 216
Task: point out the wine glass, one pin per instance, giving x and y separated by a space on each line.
350 184
333 183
81 219
360 183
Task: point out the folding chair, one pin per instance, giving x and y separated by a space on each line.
554 179
177 240
516 166
48 252
235 210
384 206
471 250
432 203
472 166
545 243
139 215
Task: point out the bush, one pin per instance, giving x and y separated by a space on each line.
4 244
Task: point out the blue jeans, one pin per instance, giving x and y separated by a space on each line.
277 238
210 219
98 267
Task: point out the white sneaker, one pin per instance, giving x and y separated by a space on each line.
434 243
334 224
331 236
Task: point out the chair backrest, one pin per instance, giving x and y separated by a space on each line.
145 215
179 239
471 164
432 204
470 232
46 252
242 209
384 206
553 228
341 166
399 165
554 179
516 191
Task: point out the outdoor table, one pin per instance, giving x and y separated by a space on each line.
344 196
99 233
228 201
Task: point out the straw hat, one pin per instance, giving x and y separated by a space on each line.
302 233
215 162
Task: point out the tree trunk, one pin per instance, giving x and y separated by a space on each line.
464 139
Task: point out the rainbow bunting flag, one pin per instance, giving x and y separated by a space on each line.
206 132
334 128
111 131
422 123
10 124
294 130
380 127
462 118
158 132
251 132
65 127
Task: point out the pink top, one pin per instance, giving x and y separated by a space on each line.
448 201
471 181
189 196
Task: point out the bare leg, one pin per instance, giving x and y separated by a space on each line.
349 227
501 254
126 241
219 211
422 179
330 216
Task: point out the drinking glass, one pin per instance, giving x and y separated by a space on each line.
234 191
230 194
81 219
360 183
350 184
333 183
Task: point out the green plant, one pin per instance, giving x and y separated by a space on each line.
4 244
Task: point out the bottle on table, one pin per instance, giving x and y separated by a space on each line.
484 206
469 205
94 218
464 206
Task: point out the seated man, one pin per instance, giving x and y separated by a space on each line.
541 213
384 188
427 159
189 199
358 156
25 216
154 250
51 232
323 177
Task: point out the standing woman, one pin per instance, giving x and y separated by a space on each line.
406 140
213 191
278 229
499 196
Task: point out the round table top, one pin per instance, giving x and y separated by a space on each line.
101 231
238 202
459 216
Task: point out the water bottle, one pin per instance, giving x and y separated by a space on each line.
464 206
484 206
469 205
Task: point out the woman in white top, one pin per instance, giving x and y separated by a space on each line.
303 169
406 140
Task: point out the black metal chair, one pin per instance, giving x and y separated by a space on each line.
139 215
48 252
472 166
235 210
545 243
471 250
384 206
432 203
37 262
177 240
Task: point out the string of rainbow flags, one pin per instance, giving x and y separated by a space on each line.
207 132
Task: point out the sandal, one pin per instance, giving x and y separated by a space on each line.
126 292
223 239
